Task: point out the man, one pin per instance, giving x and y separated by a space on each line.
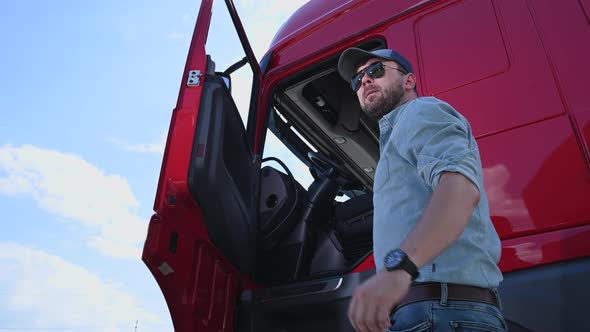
435 247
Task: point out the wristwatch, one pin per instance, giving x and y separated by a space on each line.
398 259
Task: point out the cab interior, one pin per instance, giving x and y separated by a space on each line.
310 233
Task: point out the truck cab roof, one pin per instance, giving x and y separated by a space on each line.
319 23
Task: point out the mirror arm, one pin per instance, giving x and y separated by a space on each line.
236 66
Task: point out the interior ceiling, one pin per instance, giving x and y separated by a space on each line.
326 112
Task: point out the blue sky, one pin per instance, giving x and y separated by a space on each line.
86 94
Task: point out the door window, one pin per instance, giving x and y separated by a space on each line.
225 49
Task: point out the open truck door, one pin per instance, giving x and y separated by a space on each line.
201 240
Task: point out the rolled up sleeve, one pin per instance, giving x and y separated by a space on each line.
436 139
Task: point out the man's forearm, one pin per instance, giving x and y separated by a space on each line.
444 220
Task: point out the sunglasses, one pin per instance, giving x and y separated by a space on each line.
374 70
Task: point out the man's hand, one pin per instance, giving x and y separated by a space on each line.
373 301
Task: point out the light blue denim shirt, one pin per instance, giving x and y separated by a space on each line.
419 141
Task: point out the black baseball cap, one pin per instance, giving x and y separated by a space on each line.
354 57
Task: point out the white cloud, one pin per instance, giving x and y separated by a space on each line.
68 186
52 292
114 248
156 147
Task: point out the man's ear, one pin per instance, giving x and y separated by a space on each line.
410 82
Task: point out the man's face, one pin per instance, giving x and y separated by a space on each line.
379 96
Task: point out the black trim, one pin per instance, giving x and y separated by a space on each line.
173 242
265 62
281 198
542 299
236 66
326 64
288 137
243 38
548 298
311 306
222 177
256 71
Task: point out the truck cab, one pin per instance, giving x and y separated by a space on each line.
240 242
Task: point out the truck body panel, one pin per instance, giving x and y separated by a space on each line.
236 246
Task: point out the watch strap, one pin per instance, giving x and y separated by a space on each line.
405 263
409 266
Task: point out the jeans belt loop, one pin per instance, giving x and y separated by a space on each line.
495 290
444 293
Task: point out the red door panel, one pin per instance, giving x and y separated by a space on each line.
487 60
191 266
535 178
583 119
568 55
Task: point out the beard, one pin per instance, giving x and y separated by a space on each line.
383 104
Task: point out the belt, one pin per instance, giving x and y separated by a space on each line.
432 291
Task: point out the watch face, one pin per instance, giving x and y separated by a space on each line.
393 258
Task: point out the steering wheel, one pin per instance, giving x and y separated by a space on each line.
322 163
328 167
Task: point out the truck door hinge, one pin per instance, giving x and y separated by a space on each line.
194 78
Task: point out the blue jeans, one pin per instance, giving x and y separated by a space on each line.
447 316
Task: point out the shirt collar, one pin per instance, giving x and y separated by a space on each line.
389 119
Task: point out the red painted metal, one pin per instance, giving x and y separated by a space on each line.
321 24
512 70
534 250
199 285
201 288
184 118
535 182
518 84
544 248
583 121
566 57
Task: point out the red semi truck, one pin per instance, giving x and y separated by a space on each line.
236 244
